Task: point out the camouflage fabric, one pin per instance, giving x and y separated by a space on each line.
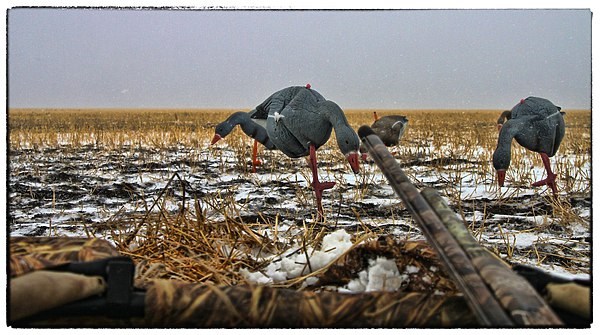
570 297
42 290
179 304
34 253
429 299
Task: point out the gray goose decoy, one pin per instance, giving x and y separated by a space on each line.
536 124
299 121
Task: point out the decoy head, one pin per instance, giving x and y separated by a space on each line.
349 145
223 129
501 162
215 139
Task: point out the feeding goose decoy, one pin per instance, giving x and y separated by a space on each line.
389 128
536 124
299 120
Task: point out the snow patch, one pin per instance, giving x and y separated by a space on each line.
295 264
382 275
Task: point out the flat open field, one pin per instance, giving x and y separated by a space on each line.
149 181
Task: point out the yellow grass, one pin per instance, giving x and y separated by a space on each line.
29 124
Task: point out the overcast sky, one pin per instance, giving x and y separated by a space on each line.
359 59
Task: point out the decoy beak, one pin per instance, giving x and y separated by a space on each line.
501 174
215 139
353 160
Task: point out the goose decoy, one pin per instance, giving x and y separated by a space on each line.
538 125
251 126
389 129
299 120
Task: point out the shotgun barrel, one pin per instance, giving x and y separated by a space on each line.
514 292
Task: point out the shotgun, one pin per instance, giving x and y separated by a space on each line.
496 295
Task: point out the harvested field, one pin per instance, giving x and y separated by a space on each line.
148 181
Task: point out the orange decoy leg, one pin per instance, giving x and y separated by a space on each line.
255 161
316 184
551 179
